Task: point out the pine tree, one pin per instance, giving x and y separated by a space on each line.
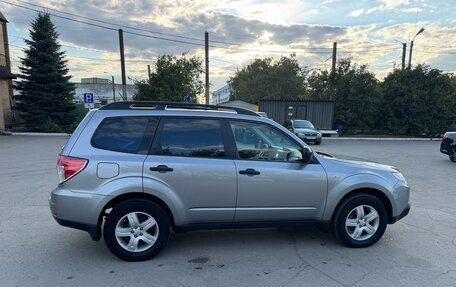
46 95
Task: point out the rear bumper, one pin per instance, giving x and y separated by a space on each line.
93 230
402 215
78 210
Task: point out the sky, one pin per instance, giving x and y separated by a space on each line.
368 31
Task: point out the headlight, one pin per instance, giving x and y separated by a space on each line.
400 177
301 135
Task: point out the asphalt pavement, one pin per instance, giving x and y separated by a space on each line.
419 250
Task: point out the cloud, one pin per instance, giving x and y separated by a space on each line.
256 28
398 5
412 10
356 13
391 4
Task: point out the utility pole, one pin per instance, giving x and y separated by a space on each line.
404 51
113 89
333 69
148 73
411 48
206 46
410 55
122 65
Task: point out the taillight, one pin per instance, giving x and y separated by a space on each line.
67 167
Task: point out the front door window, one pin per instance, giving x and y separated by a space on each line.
257 141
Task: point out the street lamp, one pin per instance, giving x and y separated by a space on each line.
411 47
113 87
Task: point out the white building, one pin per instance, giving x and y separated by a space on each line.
102 90
221 95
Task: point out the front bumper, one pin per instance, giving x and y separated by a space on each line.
310 138
403 214
446 146
444 149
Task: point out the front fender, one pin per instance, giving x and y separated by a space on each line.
355 182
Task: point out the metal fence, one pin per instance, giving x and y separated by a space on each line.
320 113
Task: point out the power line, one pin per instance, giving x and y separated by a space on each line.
72 56
110 23
435 52
58 16
65 45
133 28
310 49
104 27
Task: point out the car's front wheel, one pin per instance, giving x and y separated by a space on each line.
136 230
360 221
452 154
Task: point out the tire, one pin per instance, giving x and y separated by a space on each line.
351 224
452 154
143 229
318 142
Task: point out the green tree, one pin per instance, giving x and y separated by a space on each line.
173 77
418 101
355 91
266 79
46 95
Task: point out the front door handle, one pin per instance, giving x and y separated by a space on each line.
249 171
161 168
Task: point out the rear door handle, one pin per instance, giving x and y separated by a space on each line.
249 171
161 168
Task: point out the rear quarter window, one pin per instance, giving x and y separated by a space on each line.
125 134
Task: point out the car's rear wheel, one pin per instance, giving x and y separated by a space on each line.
452 154
359 221
136 230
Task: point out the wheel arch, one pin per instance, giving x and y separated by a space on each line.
134 195
370 191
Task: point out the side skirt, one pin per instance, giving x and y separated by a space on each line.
323 225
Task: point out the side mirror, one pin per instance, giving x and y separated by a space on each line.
306 154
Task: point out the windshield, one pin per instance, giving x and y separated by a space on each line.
303 125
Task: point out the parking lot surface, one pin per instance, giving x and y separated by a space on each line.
419 250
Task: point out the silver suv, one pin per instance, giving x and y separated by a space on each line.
135 171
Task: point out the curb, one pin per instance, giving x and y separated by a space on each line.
40 134
381 139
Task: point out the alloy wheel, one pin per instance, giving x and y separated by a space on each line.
362 222
136 231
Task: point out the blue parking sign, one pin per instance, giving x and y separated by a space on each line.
88 98
187 97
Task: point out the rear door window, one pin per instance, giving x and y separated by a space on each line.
190 137
125 134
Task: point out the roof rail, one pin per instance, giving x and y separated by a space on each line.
143 105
